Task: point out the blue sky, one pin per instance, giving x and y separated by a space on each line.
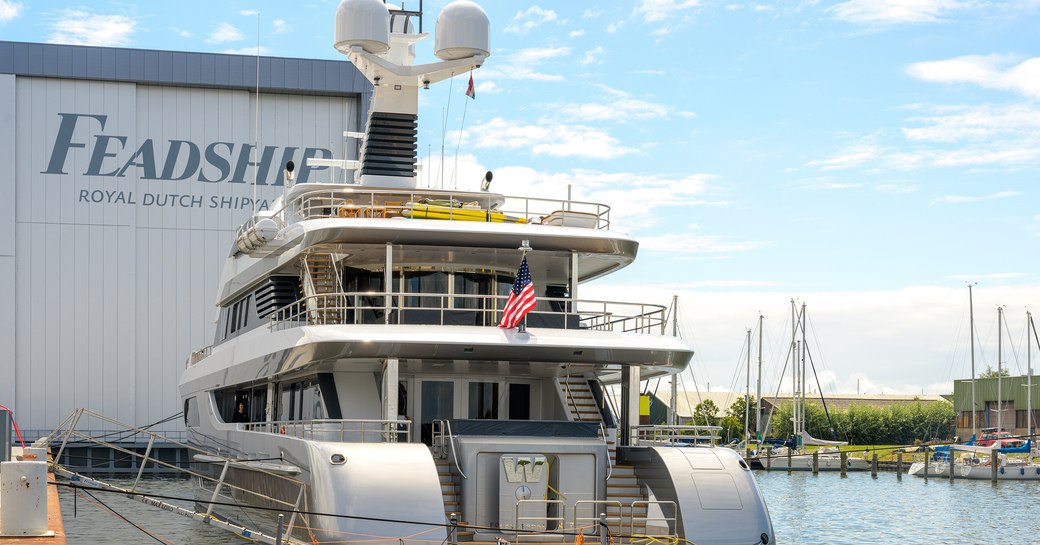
868 157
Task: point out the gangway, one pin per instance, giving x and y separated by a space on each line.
223 492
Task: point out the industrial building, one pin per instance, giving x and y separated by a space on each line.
128 172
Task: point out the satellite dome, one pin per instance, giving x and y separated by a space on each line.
365 23
463 30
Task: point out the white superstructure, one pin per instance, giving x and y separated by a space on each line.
357 373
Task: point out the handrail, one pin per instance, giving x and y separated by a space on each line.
385 430
355 202
443 309
676 435
441 425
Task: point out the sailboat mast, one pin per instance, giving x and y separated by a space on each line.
758 385
1000 380
1029 380
747 389
672 420
801 372
971 334
794 370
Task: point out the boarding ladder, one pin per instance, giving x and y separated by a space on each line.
320 279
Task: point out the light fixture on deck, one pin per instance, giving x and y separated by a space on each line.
525 245
485 184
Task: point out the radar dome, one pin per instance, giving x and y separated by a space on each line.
463 30
365 23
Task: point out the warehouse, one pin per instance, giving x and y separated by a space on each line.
128 172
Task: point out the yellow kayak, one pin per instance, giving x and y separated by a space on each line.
439 212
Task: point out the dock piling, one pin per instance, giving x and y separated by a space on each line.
899 466
873 465
993 463
815 463
789 461
844 464
925 464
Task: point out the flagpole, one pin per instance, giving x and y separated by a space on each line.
525 246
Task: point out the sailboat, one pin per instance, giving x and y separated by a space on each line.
991 461
797 457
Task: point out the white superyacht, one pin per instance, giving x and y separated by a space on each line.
359 381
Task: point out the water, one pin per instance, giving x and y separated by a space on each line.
826 509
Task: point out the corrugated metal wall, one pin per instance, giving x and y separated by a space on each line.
115 226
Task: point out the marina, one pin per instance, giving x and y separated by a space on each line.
804 509
365 351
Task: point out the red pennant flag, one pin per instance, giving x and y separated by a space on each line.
471 92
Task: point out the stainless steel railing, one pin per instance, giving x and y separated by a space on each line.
677 436
338 430
354 202
458 309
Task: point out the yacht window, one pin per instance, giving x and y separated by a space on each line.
503 284
428 282
483 400
303 401
519 401
471 284
438 401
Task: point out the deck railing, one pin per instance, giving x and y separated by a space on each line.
339 430
476 310
676 436
354 202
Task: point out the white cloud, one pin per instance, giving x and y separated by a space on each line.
960 199
79 27
592 56
251 50
893 12
531 18
525 65
907 338
615 26
988 71
181 32
619 110
249 12
983 277
591 13
225 32
9 10
693 243
279 26
967 123
546 137
576 33
850 157
488 87
653 11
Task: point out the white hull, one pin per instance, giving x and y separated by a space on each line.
1008 472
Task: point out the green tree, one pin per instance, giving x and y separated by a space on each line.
992 373
705 413
736 411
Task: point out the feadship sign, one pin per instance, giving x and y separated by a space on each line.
111 155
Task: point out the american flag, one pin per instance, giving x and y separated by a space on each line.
521 298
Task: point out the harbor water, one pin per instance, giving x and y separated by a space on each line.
825 509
